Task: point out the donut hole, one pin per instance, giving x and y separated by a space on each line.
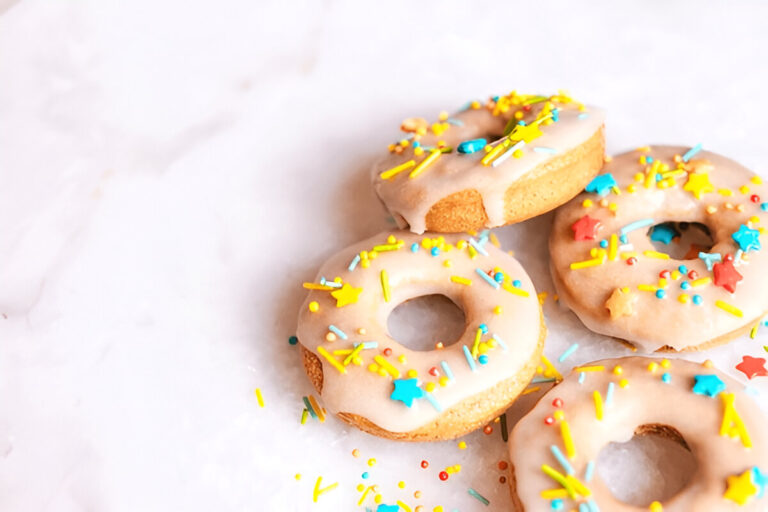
655 465
422 322
681 240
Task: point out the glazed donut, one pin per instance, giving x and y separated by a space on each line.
373 382
553 449
608 272
488 165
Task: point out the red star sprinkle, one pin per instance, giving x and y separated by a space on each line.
585 228
752 367
726 275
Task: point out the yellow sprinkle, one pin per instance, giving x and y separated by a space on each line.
462 445
531 390
596 368
656 507
315 286
472 252
461 280
559 478
598 405
586 263
433 155
497 310
666 363
613 247
362 498
314 306
732 424
565 432
551 371
397 170
553 494
394 372
647 287
493 153
318 491
402 505
744 189
494 239
753 331
331 359
623 383
352 355
625 255
587 203
514 290
729 308
725 192
652 367
297 476
656 254
259 397
756 180
372 462
385 285
304 415
701 281
683 298
478 335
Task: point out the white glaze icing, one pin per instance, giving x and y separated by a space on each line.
411 275
409 200
659 322
647 400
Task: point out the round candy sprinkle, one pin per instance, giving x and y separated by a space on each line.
697 299
516 283
503 465
314 307
365 475
754 198
660 294
443 476
483 328
498 277
424 464
434 372
371 462
387 351
557 402
293 340
483 359
487 430
549 420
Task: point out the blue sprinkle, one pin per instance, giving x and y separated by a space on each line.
414 247
603 243
555 115
609 393
486 278
478 247
636 225
582 377
516 283
434 251
561 459
483 359
556 504
483 328
498 277
666 378
470 146
590 471
432 400
764 207
341 334
649 159
623 239
454 122
660 294
365 475
685 285
416 144
583 116
691 152
470 361
583 507
293 340
500 342
710 258
544 149
570 350
683 269
447 370
354 263
479 497
658 177
593 506
697 300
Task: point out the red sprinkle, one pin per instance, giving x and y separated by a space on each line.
631 261
503 465
693 274
424 464
728 257
487 429
549 420
664 274
443 476
755 198
557 402
433 372
387 351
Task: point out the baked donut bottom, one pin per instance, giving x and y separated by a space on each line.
593 319
544 188
466 416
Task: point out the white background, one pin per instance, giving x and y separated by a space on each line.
171 171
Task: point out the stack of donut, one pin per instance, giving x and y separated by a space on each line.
509 159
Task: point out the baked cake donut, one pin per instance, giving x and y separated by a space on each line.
491 164
373 382
553 449
607 270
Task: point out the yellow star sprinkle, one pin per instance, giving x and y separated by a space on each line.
346 295
698 183
740 488
528 133
621 303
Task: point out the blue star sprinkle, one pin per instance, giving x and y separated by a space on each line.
406 390
710 385
663 233
387 508
601 184
760 480
710 258
748 239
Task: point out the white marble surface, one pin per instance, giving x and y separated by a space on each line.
171 171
